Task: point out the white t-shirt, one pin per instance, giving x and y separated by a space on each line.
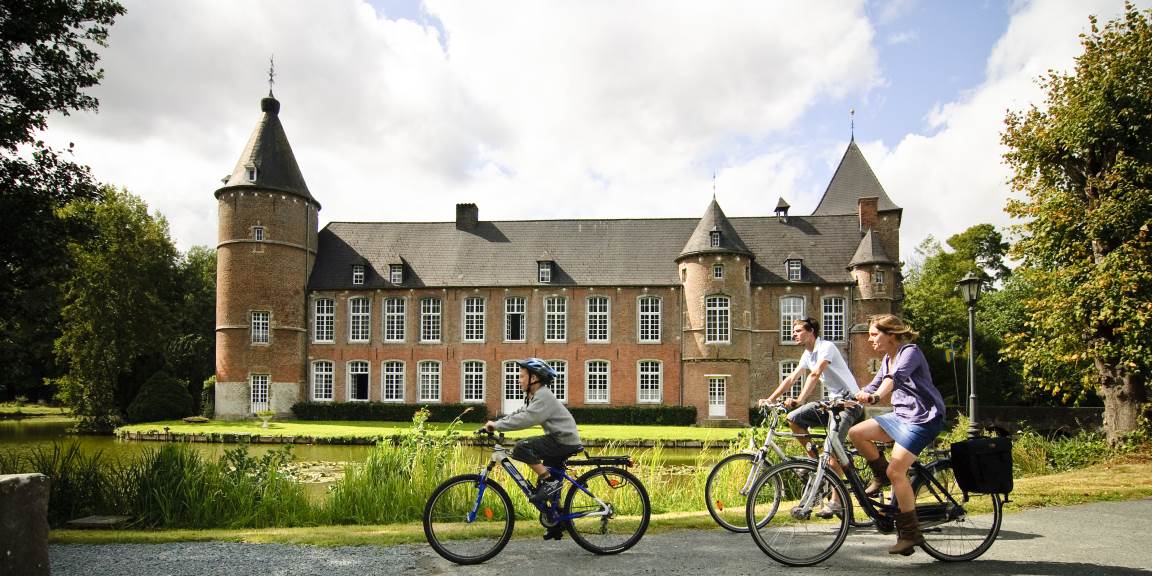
837 377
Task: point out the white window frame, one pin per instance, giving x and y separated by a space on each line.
560 382
472 381
649 382
250 173
717 271
258 233
598 319
787 367
649 310
544 272
324 320
598 382
714 239
351 372
359 319
259 392
555 319
357 274
261 327
510 381
395 318
428 380
794 269
474 325
789 314
323 381
396 274
515 307
431 319
717 319
833 319
392 381
878 279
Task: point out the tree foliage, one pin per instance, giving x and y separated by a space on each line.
1083 165
162 397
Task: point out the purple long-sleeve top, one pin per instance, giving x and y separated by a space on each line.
915 398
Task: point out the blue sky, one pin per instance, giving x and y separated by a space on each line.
398 109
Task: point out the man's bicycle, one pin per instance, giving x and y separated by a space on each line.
469 518
731 479
956 527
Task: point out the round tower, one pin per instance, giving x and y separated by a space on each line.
268 224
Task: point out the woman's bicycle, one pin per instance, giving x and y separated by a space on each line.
956 527
731 479
469 518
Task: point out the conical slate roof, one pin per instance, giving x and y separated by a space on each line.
869 252
853 180
714 220
269 152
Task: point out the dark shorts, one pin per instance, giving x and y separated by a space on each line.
544 449
808 416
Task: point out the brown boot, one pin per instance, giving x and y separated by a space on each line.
879 468
908 531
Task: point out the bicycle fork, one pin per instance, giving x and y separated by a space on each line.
811 494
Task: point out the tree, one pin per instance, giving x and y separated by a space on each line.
118 316
47 59
192 354
1083 164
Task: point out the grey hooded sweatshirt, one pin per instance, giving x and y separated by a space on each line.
544 409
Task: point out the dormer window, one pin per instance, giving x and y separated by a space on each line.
718 271
357 274
544 274
714 239
250 173
793 268
396 274
258 233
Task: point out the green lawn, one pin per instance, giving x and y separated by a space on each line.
31 409
361 429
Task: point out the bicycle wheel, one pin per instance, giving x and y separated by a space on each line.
455 533
619 527
785 530
952 535
727 487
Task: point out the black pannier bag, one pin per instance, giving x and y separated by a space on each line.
983 465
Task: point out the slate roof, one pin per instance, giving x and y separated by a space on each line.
639 252
853 180
870 251
714 220
269 151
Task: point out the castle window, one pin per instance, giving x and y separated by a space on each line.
473 384
791 310
596 381
323 320
787 367
718 271
649 310
396 274
650 378
430 320
598 322
878 279
429 379
393 381
718 320
250 173
359 319
514 312
322 381
259 392
474 319
512 388
358 381
833 324
258 233
714 239
794 268
260 327
560 382
544 274
555 319
357 274
394 309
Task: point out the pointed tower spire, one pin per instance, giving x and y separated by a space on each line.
715 234
853 180
852 124
267 161
870 251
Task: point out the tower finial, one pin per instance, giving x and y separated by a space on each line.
852 124
713 185
271 73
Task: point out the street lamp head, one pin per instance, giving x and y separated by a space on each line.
970 288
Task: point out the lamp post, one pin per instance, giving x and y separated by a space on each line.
970 290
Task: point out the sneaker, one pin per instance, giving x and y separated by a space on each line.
829 510
545 490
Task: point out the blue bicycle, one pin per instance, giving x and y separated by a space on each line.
469 518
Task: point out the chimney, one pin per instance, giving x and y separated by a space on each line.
867 208
467 216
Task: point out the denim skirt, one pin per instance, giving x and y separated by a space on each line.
913 437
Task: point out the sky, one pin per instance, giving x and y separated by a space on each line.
397 110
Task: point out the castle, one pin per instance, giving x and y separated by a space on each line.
690 311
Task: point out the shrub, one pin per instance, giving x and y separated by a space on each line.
163 397
637 415
387 412
208 398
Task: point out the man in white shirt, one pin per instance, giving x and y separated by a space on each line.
824 363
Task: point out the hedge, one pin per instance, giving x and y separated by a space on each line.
387 412
637 415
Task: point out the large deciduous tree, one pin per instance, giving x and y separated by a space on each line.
1083 165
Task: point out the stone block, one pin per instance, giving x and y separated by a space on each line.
24 524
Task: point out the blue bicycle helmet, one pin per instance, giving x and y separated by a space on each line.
539 368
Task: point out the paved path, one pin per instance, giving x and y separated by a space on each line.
1112 538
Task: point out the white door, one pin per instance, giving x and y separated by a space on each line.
513 396
717 398
259 399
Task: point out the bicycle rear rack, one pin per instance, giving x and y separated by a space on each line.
625 461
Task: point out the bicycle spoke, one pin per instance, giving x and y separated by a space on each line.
784 503
463 532
615 517
949 535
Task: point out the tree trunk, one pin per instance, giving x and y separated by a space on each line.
1124 396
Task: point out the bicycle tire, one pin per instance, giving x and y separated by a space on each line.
723 490
626 523
961 538
448 530
790 536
